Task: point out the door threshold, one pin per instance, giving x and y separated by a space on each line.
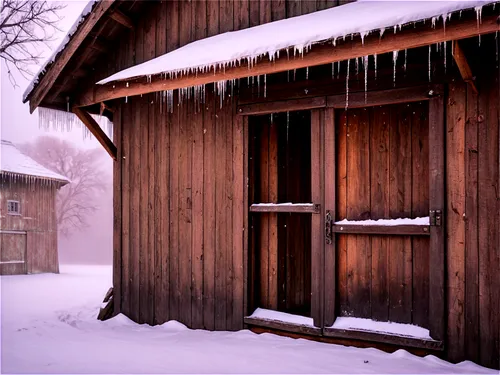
384 337
282 326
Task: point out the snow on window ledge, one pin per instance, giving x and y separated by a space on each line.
387 222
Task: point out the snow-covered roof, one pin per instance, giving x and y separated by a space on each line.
86 10
13 161
299 33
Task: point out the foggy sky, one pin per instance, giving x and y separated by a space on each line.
17 125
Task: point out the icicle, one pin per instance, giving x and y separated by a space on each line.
265 85
394 61
307 73
375 58
406 59
479 14
272 118
365 63
347 86
496 38
258 86
338 69
429 67
444 48
356 63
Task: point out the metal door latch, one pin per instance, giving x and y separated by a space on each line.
328 228
435 218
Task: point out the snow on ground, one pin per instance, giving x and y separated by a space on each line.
48 325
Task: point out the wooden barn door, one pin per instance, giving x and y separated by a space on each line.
285 214
12 252
385 162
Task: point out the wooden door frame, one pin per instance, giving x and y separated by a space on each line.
323 265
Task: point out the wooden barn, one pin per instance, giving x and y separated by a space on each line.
28 225
310 168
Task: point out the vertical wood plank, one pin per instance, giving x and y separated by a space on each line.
161 185
358 208
117 212
379 183
264 11
273 217
238 227
174 294
209 214
263 245
400 267
489 194
341 208
185 207
436 202
220 228
226 16
308 6
472 342
278 10
330 284
127 129
150 53
420 208
228 196
246 219
135 181
317 221
455 192
253 7
293 8
212 17
197 221
241 14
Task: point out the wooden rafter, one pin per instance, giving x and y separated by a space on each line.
463 65
122 19
56 68
96 131
319 55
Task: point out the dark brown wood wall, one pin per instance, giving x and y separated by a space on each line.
177 252
179 188
473 218
37 219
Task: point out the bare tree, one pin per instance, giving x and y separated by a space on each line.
25 25
75 201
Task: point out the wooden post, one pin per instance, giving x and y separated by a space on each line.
436 202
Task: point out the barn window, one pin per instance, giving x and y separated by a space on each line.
13 208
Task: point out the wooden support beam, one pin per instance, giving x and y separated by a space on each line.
393 230
463 65
300 208
281 106
96 131
122 19
319 55
53 71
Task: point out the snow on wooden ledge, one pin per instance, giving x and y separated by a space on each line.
278 316
387 222
399 329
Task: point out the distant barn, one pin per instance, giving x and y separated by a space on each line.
28 225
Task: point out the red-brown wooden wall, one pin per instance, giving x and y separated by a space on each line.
180 203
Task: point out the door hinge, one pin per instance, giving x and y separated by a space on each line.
435 218
328 228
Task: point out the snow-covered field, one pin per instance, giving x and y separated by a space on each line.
48 325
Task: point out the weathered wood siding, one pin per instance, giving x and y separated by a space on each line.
180 188
37 220
473 218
